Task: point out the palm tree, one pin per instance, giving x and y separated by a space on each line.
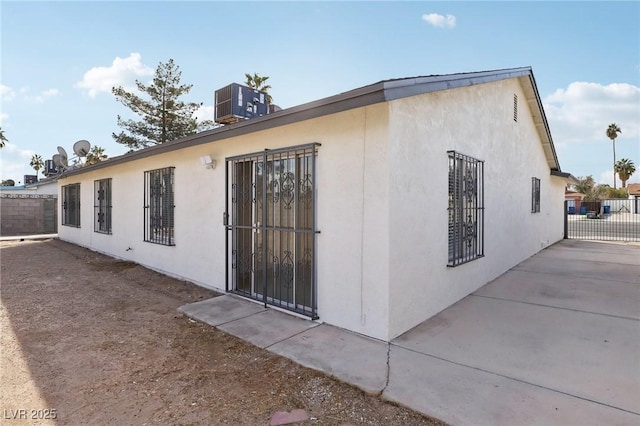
3 138
596 193
585 184
36 163
612 133
96 155
259 83
625 168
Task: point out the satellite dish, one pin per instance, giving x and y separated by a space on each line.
64 158
81 148
58 161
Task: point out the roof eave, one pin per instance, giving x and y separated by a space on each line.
397 89
568 176
363 96
368 95
541 123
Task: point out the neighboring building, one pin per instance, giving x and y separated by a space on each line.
574 201
29 209
371 210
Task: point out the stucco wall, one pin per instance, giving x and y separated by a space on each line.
382 179
476 121
352 209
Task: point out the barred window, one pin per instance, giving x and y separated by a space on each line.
158 206
535 195
71 205
102 206
466 208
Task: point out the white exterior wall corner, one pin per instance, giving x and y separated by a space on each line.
353 277
352 213
476 121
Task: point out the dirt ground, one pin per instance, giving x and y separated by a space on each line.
89 339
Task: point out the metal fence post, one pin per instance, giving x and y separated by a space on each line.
566 219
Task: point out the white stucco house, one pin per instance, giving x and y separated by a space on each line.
371 210
48 186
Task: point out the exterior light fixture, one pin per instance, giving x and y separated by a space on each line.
208 162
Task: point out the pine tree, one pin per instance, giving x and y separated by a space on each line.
3 138
164 117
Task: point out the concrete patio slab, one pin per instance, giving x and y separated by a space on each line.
280 327
463 395
600 252
591 356
606 271
554 341
221 310
565 291
347 356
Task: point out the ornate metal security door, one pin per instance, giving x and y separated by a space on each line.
271 226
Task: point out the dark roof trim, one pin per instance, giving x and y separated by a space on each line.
560 174
397 89
571 178
383 91
544 118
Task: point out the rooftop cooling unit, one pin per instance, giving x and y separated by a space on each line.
50 168
29 179
236 102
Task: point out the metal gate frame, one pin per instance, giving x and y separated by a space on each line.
602 223
230 220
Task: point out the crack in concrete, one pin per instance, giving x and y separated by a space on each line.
386 382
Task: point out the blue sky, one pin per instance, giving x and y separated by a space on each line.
59 61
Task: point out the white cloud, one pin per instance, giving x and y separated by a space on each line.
14 162
44 95
3 117
440 21
7 93
13 149
205 112
583 111
607 178
13 171
122 72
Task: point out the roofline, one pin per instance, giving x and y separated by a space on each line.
382 91
571 178
544 119
44 181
